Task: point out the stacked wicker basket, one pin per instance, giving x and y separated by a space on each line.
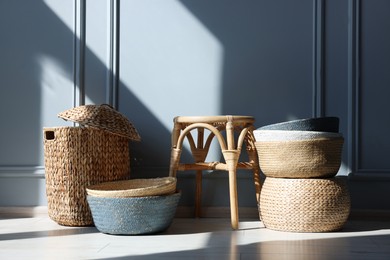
300 160
78 156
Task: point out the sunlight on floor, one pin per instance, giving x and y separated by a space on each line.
189 238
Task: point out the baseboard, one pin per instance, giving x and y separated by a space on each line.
217 212
23 212
252 213
368 214
181 212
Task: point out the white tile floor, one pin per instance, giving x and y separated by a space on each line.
187 238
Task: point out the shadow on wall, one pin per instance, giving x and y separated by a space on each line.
268 59
267 68
260 50
266 72
154 149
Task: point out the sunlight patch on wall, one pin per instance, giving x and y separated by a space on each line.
96 19
56 91
62 9
170 60
344 169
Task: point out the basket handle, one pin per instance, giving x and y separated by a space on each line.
108 105
49 134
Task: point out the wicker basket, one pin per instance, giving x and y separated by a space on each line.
133 215
134 188
77 157
310 158
304 205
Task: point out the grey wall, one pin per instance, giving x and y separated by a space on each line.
153 60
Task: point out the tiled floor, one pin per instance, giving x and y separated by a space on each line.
187 238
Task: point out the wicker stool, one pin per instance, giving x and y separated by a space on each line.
242 126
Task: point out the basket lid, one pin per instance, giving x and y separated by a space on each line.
103 117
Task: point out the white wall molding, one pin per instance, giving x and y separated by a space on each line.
356 172
371 175
113 53
318 58
353 84
22 172
79 52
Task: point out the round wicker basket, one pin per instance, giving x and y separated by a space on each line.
134 188
304 205
133 215
310 158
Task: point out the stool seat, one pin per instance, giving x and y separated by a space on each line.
213 119
238 131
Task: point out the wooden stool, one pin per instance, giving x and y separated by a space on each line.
242 126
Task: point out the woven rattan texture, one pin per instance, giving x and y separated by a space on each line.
285 135
321 124
75 158
304 205
134 188
135 215
311 158
103 117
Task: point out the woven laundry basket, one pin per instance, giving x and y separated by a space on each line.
76 157
304 205
285 157
134 188
133 215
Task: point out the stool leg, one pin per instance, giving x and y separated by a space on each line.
174 163
175 152
198 195
256 179
252 154
254 159
231 158
199 153
233 198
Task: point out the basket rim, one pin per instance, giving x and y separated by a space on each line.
293 135
133 188
148 197
324 122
